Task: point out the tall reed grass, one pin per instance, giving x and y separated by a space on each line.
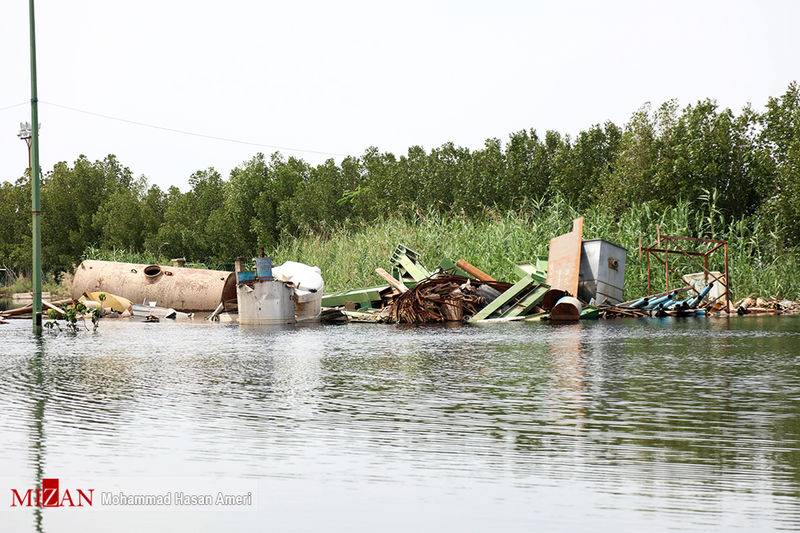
494 241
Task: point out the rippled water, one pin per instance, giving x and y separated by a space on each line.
613 426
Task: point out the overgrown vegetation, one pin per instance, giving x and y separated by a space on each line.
496 241
57 287
704 171
72 314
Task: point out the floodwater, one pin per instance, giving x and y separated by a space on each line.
626 425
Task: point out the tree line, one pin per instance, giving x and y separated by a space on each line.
750 160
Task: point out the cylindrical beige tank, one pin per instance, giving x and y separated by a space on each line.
182 289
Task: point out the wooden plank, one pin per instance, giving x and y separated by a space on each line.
393 282
25 297
54 308
528 302
564 259
474 271
518 288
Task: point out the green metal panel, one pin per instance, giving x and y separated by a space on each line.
524 270
541 263
365 295
406 261
518 288
449 266
528 302
413 269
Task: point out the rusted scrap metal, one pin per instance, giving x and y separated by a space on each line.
564 259
693 250
567 309
440 299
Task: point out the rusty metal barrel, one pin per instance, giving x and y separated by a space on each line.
183 289
567 309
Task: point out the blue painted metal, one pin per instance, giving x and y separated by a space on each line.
652 304
663 305
264 267
248 275
641 302
694 302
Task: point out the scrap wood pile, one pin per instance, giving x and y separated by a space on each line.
616 311
753 305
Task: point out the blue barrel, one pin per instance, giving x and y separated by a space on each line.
247 275
264 267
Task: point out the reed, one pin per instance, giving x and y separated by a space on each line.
124 255
495 241
50 283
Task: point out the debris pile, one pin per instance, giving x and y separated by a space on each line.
753 305
441 299
577 280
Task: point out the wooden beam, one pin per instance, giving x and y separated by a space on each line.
389 279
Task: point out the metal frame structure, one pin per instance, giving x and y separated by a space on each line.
670 244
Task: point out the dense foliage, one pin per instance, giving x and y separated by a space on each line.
663 157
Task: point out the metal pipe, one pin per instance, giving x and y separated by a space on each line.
670 304
653 303
473 271
663 305
694 302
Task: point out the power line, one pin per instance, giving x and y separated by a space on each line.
191 133
12 106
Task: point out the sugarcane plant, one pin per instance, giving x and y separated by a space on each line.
72 314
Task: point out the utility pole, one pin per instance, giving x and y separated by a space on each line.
35 204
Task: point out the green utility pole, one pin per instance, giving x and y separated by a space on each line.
35 204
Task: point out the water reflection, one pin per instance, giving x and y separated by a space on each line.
38 445
685 422
567 392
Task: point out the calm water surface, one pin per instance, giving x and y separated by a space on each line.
688 425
